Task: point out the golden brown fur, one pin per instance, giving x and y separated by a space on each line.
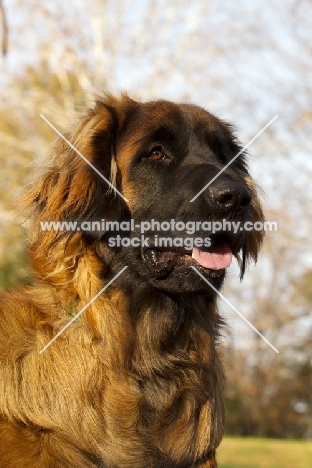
129 384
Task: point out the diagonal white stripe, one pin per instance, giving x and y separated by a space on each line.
235 157
82 156
82 310
235 310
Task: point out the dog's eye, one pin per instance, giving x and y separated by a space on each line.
156 154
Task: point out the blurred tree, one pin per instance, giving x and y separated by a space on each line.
22 150
269 394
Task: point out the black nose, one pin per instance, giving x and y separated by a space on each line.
232 197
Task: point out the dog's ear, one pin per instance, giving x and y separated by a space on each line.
74 189
254 238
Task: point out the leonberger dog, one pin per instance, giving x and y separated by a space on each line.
136 380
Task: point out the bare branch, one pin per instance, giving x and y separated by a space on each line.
5 30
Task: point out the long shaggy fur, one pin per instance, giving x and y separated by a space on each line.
136 381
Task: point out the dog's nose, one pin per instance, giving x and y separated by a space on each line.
231 198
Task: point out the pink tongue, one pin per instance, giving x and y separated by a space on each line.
215 258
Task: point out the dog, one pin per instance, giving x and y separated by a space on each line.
111 358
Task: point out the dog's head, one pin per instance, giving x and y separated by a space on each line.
159 156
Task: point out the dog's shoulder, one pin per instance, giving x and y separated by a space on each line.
21 318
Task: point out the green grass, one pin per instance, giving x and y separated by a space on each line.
239 452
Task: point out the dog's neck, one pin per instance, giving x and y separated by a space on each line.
179 373
183 327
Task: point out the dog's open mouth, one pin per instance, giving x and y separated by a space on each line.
162 261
